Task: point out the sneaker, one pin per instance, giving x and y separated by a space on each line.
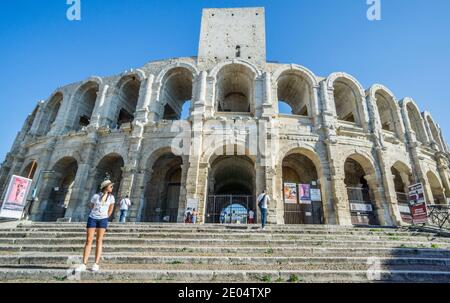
95 268
81 268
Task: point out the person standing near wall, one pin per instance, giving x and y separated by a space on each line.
124 206
102 207
263 204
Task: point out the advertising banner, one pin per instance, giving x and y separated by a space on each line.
16 197
305 193
290 193
417 204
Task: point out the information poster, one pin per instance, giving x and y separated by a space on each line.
290 193
16 197
315 195
418 204
305 193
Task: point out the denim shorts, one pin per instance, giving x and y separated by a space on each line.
97 223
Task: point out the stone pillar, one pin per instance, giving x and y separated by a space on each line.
145 96
340 197
202 190
382 212
442 165
99 115
81 191
433 143
392 213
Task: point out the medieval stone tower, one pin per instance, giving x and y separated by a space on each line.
207 132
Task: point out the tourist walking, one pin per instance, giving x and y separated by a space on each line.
194 216
124 207
263 203
102 207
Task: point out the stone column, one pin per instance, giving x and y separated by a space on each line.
392 213
78 204
442 165
202 187
99 114
36 126
382 212
145 96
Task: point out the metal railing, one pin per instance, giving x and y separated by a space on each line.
230 209
439 215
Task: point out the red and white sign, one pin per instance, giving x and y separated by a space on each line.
16 197
418 204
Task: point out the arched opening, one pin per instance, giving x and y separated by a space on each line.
346 101
386 111
295 91
300 191
231 190
30 170
436 189
360 195
109 168
403 178
435 133
51 112
59 189
162 194
85 104
235 86
127 99
176 92
416 123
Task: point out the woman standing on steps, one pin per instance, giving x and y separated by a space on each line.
102 207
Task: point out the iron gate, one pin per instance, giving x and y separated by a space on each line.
362 209
230 209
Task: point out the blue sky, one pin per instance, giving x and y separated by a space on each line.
408 50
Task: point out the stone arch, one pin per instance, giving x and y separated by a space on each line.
235 89
176 90
85 99
361 182
163 187
434 130
415 120
403 178
387 108
295 87
51 111
348 98
244 63
302 166
437 189
231 187
238 148
57 191
126 99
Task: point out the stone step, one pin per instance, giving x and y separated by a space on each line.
233 242
235 251
123 275
128 260
255 236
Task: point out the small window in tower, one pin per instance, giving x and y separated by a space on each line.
238 51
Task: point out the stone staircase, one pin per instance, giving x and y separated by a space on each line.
48 252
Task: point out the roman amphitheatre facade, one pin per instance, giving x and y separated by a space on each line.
207 131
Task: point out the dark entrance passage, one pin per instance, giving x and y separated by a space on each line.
360 195
163 191
299 170
231 191
59 189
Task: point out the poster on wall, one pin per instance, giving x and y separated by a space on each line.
16 197
305 193
315 195
290 193
418 204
